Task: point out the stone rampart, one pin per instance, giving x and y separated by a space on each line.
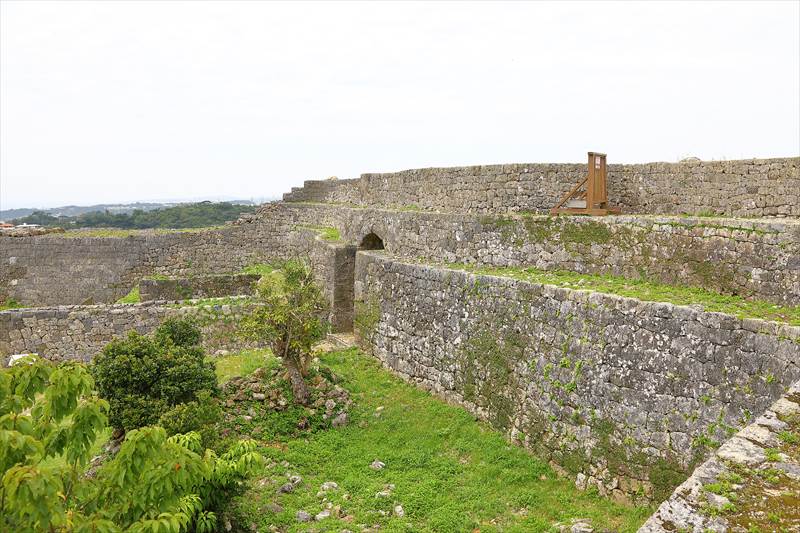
752 187
197 287
79 332
625 395
752 258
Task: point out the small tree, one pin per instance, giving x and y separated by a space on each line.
291 320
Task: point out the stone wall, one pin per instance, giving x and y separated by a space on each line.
752 258
752 483
79 332
54 269
623 394
197 287
753 187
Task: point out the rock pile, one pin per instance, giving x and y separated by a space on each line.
266 392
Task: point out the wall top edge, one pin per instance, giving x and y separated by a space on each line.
626 303
611 166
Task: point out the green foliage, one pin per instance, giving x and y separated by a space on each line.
144 376
259 269
198 416
291 320
10 303
789 437
133 297
179 333
49 421
180 216
326 232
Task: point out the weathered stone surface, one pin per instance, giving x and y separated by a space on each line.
81 331
625 392
747 257
54 270
739 469
197 287
753 187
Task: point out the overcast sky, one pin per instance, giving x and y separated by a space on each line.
116 101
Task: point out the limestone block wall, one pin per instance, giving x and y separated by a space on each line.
80 332
752 258
752 483
753 187
197 287
53 269
625 395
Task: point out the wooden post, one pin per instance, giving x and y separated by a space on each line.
594 198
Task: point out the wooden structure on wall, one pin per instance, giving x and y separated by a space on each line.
590 195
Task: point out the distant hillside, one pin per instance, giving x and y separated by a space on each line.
75 210
179 216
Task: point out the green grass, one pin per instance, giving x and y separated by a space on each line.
259 269
132 297
10 303
212 302
326 232
242 363
117 233
648 291
450 472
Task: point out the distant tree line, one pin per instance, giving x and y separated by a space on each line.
180 216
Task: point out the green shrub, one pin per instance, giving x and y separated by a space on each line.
142 377
178 332
199 416
49 422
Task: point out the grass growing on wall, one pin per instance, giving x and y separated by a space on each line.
259 269
648 291
118 233
449 472
10 303
326 232
132 297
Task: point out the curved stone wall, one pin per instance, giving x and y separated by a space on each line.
752 187
625 395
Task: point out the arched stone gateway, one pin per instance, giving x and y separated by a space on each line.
371 241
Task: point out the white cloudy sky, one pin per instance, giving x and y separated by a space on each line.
123 101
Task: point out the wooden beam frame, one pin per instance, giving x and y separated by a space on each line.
595 194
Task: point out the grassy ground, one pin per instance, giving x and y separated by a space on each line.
449 472
326 232
117 232
648 291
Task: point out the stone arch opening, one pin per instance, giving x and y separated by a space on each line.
371 241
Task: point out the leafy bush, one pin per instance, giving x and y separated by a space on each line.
179 332
49 420
199 416
142 377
